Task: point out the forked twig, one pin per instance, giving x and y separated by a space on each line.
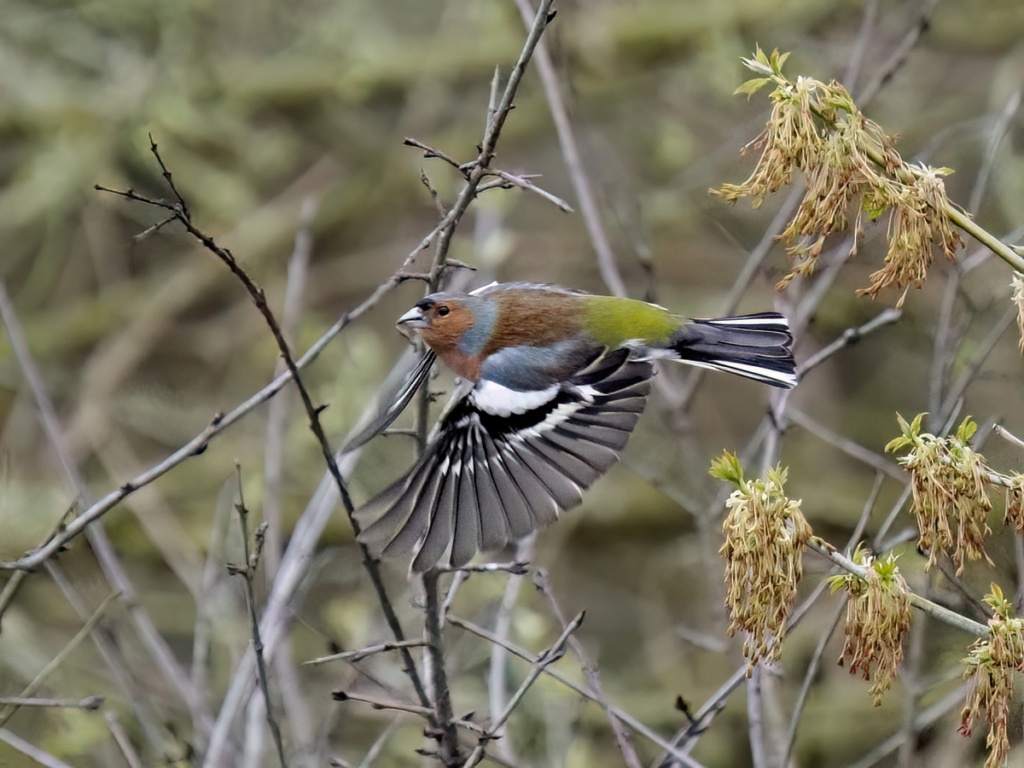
544 660
247 570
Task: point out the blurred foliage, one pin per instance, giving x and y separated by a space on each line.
258 107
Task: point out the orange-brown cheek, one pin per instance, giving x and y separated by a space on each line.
444 334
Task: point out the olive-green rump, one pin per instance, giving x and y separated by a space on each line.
613 321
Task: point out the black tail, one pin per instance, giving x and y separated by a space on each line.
758 347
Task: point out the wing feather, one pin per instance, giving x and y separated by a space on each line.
495 525
514 505
439 535
466 536
502 467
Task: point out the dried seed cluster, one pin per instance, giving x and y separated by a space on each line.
877 620
991 662
765 533
816 129
949 481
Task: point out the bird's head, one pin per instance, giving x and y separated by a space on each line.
440 319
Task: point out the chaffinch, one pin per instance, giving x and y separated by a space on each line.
551 383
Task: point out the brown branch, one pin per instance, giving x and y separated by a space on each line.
247 570
397 706
258 296
442 716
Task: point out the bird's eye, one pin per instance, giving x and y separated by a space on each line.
443 310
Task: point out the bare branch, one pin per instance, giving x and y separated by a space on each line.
56 661
89 703
362 653
30 750
574 163
544 660
247 570
621 714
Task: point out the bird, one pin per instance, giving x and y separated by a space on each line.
550 383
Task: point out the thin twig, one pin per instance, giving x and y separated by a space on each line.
860 46
113 570
849 337
755 718
277 615
980 610
295 708
247 571
121 739
700 721
56 661
574 163
1000 128
815 663
809 676
874 460
620 713
194 447
1007 435
206 610
18 577
948 337
973 366
108 643
911 675
544 660
497 672
925 719
89 703
902 51
362 653
258 297
169 179
883 529
592 674
377 747
277 414
31 751
475 172
430 152
399 706
523 182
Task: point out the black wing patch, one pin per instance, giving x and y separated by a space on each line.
487 479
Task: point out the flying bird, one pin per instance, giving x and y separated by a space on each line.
551 383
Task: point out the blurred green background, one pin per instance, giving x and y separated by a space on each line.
259 107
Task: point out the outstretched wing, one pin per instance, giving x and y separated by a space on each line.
505 463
